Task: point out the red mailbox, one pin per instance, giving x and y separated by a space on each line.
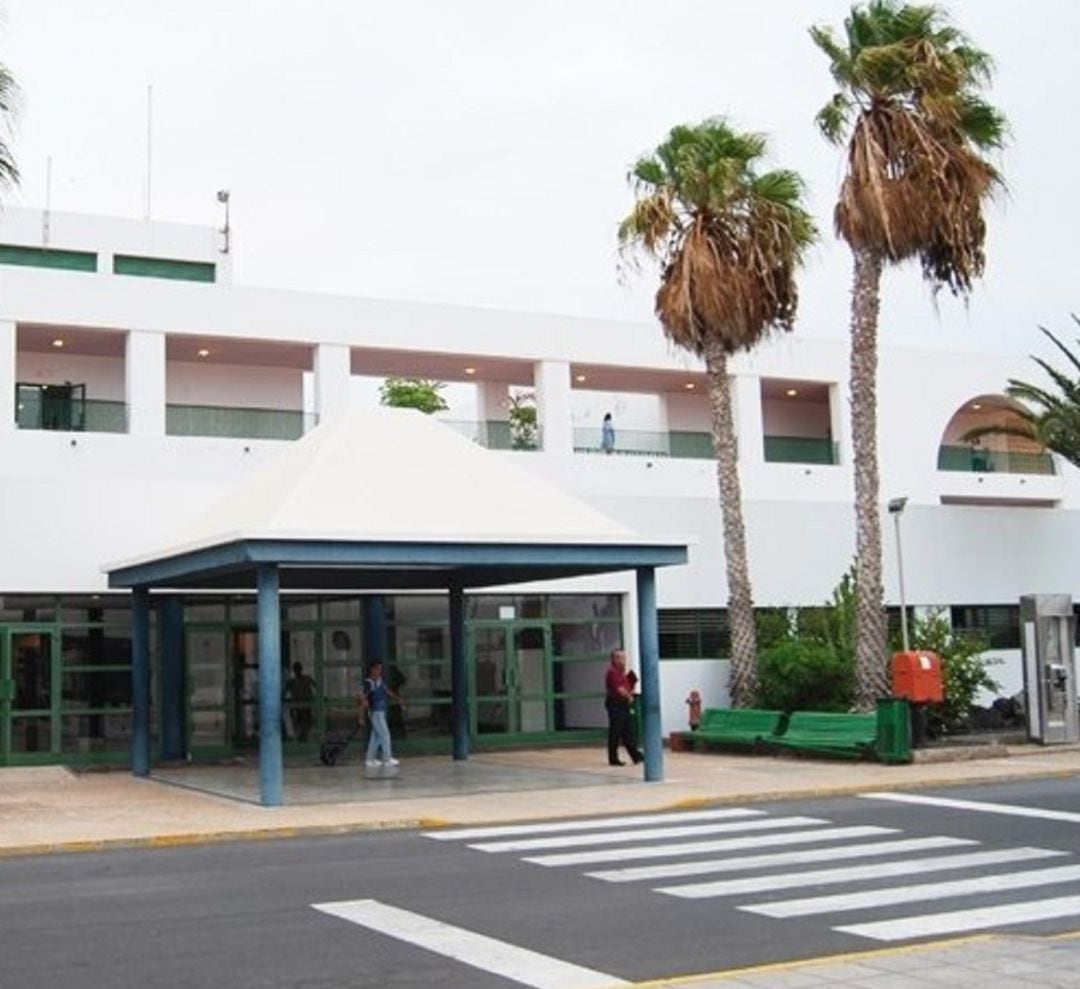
916 676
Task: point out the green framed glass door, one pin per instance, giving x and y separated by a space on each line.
207 657
511 664
29 688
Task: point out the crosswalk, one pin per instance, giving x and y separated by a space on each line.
858 878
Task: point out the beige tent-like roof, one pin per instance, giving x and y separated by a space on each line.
392 498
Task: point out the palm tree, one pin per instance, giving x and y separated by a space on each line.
916 129
9 98
1053 421
729 241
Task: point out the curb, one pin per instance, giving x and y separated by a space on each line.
195 838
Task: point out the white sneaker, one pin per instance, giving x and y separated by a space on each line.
372 763
392 762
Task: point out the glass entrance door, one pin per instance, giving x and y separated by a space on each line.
511 665
28 696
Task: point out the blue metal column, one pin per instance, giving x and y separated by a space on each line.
459 673
140 681
271 766
649 644
376 643
172 698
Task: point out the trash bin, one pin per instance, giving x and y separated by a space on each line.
893 730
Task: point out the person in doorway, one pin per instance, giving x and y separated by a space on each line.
619 697
300 692
607 434
376 699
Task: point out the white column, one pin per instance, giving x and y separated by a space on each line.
8 351
839 423
145 382
749 423
552 382
332 380
492 401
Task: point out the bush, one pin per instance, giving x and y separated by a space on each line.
963 669
802 675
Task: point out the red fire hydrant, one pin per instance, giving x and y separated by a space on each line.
693 703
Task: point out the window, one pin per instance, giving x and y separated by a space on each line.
998 624
693 633
187 271
44 257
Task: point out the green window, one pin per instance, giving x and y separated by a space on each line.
998 624
186 271
44 257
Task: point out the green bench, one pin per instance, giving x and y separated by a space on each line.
829 734
735 726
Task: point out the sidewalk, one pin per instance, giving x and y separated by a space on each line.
53 809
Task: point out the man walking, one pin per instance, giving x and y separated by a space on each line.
375 697
619 696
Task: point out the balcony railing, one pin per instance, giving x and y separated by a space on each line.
966 458
38 408
237 423
496 434
800 450
641 443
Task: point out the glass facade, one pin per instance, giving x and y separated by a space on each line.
536 671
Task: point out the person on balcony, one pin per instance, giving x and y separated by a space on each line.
607 434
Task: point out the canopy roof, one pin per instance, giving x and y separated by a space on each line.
390 498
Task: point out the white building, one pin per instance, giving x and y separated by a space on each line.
145 385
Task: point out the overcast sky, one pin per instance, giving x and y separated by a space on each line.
476 152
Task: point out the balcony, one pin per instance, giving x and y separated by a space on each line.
641 443
801 450
64 408
978 461
237 423
495 434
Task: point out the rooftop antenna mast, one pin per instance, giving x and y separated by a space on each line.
46 217
149 145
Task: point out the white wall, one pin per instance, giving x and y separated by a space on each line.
795 417
103 376
234 386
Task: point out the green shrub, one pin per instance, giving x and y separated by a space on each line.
413 393
803 675
963 669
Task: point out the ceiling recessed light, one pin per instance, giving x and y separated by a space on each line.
792 392
470 370
579 377
203 352
690 386
58 342
976 406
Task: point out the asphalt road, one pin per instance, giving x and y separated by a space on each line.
244 915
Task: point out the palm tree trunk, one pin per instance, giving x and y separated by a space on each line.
744 682
871 680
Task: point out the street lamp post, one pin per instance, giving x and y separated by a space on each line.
896 509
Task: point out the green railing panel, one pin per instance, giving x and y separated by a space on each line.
629 442
966 458
187 271
692 446
238 423
800 450
44 257
495 434
105 417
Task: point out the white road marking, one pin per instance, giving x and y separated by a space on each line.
1012 810
589 824
913 894
530 968
644 834
959 921
704 847
827 877
672 870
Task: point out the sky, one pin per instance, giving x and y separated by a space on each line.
476 152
